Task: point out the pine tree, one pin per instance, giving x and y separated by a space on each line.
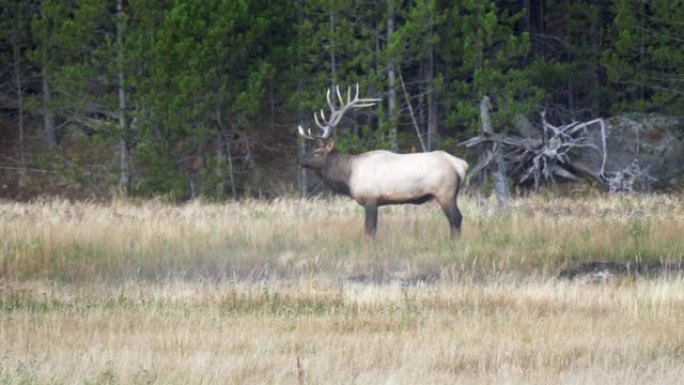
205 77
335 46
44 26
15 37
416 41
482 55
569 43
645 62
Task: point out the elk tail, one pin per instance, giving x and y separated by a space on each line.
460 165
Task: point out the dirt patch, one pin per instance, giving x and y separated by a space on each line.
598 271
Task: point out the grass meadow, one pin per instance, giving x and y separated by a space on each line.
289 292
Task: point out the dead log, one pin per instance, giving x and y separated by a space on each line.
575 151
533 161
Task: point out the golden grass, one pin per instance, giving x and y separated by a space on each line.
80 242
534 332
288 291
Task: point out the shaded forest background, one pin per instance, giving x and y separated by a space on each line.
189 98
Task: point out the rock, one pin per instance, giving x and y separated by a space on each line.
654 141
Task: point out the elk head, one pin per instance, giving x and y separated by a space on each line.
325 143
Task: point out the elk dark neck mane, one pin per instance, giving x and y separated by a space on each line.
337 172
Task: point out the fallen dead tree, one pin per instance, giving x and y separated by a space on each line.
553 154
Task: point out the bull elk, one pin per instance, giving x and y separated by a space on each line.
378 178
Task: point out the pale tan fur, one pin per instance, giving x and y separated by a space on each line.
386 176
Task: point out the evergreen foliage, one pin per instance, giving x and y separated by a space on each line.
190 98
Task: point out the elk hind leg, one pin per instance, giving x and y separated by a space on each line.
453 214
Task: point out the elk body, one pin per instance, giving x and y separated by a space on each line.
378 178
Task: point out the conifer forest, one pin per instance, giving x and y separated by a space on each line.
202 98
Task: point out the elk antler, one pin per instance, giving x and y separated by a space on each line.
336 113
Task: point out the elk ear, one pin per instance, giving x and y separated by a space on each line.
329 146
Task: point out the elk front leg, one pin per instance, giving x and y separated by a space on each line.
371 209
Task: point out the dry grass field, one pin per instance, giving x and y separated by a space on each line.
288 292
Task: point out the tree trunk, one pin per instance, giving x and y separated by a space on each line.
431 105
226 156
49 130
500 184
378 61
302 177
125 178
20 108
391 82
595 58
419 134
333 61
